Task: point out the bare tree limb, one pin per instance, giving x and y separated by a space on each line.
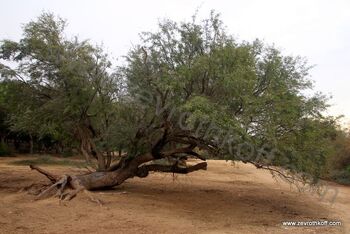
145 169
53 178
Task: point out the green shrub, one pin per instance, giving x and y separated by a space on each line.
67 153
4 150
341 176
338 164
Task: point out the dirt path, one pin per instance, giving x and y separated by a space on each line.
224 199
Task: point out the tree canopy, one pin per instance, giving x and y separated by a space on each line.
188 90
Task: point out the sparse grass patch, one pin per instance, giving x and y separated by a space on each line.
49 160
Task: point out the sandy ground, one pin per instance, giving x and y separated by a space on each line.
224 199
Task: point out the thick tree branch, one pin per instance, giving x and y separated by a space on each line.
145 169
53 178
185 150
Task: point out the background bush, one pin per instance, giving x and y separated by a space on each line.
4 150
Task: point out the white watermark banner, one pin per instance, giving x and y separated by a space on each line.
312 223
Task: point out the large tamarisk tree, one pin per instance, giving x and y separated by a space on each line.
187 91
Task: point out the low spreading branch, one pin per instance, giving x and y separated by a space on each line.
53 178
144 170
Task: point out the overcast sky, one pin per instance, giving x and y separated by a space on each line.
315 29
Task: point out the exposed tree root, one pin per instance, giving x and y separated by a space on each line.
67 187
34 188
50 190
92 198
65 192
51 177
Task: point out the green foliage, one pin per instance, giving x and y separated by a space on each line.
338 163
340 176
189 83
4 150
247 89
60 88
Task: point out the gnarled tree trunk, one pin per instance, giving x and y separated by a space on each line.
67 186
88 149
129 166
